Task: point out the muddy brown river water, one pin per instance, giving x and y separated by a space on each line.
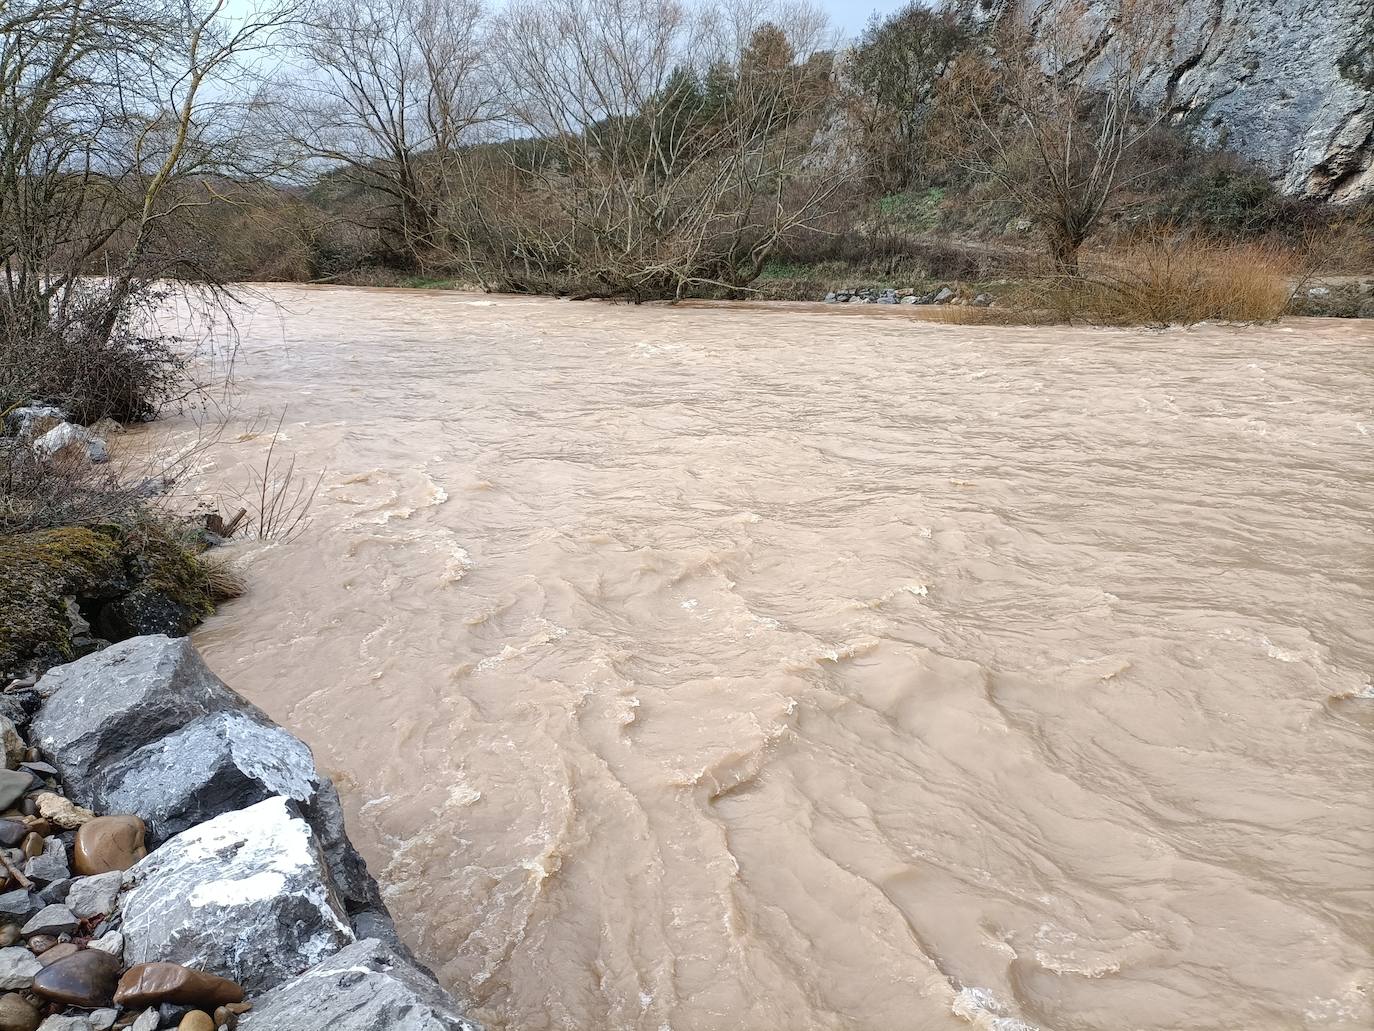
701 668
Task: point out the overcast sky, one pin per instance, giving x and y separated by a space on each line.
851 15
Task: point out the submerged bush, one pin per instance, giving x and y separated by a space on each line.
90 369
1175 282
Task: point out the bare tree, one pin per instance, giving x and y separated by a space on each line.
117 118
890 75
389 92
657 147
1055 110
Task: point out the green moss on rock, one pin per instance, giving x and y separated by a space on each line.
37 571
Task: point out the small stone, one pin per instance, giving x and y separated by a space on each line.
65 1022
56 891
153 983
197 1020
223 1018
87 979
12 832
9 934
51 865
59 951
109 843
103 1018
13 784
62 811
169 1013
17 1013
41 943
239 1007
17 903
28 807
111 942
148 1020
17 968
32 845
11 743
55 919
96 895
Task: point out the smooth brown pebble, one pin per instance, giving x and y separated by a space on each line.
239 1007
33 845
197 1020
59 951
150 984
17 1013
108 843
38 825
41 943
86 979
223 1018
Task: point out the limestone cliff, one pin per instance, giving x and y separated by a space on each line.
1288 83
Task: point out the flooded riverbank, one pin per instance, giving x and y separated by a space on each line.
703 668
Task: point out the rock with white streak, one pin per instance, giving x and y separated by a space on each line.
102 707
245 896
214 765
366 987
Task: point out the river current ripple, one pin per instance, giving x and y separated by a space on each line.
702 668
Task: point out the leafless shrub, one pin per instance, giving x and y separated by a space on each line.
1055 109
1168 280
277 497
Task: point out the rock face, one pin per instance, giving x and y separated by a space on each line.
1287 83
104 706
366 987
214 896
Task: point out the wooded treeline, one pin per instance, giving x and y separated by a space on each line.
636 148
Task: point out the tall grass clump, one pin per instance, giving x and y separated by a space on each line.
1176 282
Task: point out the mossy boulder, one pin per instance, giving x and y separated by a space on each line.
128 581
39 571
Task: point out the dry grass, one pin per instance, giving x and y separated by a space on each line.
1165 282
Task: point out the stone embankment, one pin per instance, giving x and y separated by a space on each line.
173 859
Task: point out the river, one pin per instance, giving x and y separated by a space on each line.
774 670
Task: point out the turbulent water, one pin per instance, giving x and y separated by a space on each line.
693 668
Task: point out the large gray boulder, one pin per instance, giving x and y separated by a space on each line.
366 987
102 707
221 762
245 895
145 727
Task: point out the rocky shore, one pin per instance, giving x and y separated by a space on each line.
173 859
